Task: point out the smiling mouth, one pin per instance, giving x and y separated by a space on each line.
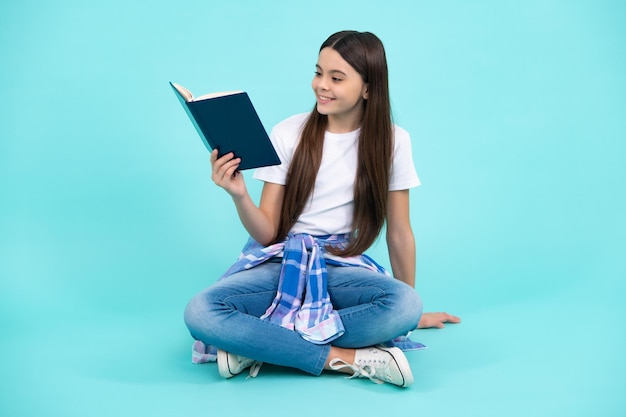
324 99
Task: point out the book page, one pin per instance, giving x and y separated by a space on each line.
214 95
189 97
183 92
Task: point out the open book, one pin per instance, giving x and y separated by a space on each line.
228 122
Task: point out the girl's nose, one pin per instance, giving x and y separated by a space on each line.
323 84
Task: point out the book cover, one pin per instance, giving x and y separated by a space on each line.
229 122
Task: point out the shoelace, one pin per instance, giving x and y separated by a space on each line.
363 371
254 369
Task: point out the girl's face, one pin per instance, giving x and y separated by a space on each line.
339 90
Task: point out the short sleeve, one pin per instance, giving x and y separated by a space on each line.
403 173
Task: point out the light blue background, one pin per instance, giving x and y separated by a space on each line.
109 221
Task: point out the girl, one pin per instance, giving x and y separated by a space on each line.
303 293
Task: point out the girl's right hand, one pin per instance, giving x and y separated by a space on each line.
225 174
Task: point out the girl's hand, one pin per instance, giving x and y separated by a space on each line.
225 174
430 320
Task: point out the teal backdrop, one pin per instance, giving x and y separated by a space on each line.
109 221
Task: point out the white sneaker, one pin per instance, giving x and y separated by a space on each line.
230 364
379 364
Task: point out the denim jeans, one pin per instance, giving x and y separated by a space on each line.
374 308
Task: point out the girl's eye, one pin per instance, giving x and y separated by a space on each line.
317 73
337 79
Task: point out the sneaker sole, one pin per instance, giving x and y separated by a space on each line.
222 364
403 364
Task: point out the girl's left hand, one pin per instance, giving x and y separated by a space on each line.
437 320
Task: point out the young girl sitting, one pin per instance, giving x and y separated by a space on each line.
303 293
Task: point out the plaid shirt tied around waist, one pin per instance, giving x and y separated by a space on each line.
302 302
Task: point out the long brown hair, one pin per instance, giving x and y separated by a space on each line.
366 54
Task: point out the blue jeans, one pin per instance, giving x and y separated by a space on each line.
374 308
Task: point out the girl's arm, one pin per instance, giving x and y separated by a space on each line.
401 244
261 222
400 239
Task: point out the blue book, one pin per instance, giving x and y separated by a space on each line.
228 122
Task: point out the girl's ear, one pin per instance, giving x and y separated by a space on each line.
365 93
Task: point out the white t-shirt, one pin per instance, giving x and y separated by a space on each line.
330 206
